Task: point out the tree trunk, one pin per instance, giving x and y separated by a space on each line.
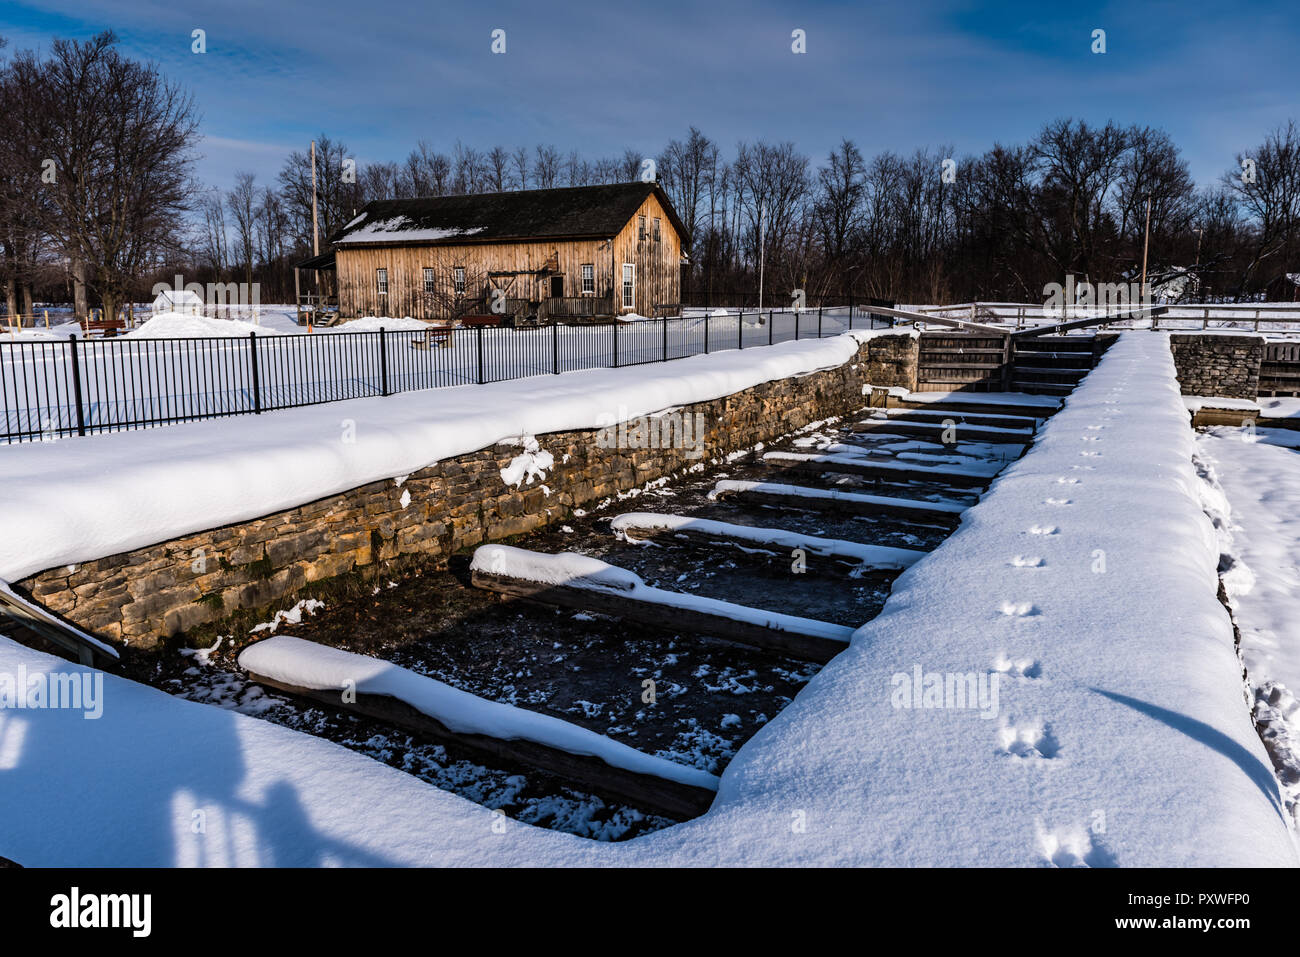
79 307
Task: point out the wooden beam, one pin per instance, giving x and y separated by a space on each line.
653 793
811 644
933 431
855 503
886 470
1085 323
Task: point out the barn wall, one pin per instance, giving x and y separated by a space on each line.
658 269
358 294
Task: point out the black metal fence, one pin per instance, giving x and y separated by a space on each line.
54 388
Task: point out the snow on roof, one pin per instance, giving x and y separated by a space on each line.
177 297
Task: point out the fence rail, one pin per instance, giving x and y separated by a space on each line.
55 388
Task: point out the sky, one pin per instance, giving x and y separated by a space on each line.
602 77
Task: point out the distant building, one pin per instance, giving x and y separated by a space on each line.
579 252
184 301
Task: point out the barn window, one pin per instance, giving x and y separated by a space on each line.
430 282
640 225
381 281
656 229
588 279
629 285
458 278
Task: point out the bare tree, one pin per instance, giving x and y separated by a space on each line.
115 138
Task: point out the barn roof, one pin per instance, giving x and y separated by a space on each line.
576 212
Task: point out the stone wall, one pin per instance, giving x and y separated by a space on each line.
143 596
1211 364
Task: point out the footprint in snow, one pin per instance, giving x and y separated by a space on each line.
1090 438
1058 501
1030 741
1027 561
1063 480
1043 530
1091 455
1019 609
1073 847
1026 668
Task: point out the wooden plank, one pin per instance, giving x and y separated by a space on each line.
834 500
886 470
957 405
965 433
89 650
670 798
643 526
793 644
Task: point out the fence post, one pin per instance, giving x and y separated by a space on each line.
76 387
383 362
665 322
555 348
796 325
819 322
740 333
706 333
615 343
257 380
478 340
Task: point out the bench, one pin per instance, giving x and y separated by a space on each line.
108 327
441 335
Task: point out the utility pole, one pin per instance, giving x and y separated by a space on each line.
1146 243
1200 234
760 256
315 236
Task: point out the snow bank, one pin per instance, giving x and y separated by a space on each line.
581 571
1085 580
306 664
1254 496
375 323
175 325
210 474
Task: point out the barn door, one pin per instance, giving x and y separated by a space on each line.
557 287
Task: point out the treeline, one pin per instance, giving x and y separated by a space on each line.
923 227
97 198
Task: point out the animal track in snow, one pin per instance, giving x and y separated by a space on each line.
1063 480
1019 609
1090 438
1029 741
1091 455
1026 668
1043 530
1080 468
1073 847
1027 561
1057 501
1094 428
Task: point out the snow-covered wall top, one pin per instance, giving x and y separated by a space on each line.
127 490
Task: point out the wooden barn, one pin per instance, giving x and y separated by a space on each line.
577 253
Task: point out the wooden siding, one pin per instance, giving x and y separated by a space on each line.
658 265
658 275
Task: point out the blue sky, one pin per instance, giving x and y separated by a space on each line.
601 77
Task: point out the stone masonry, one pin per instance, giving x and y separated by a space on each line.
1217 365
143 596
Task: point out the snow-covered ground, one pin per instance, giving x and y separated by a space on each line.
176 367
1253 494
1056 684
